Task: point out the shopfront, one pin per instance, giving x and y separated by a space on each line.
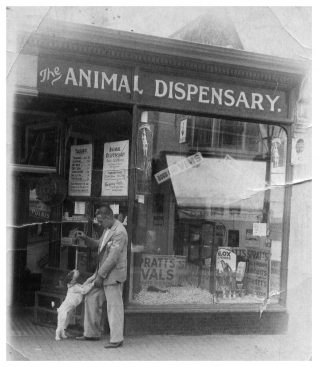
191 147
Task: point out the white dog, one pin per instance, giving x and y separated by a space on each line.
74 296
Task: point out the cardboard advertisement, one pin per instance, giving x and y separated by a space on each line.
225 271
161 271
258 271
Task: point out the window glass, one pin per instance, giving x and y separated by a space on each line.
208 211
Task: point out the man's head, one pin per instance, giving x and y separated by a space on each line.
105 216
120 217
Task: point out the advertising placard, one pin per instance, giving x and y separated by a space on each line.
161 270
225 271
179 167
38 209
258 271
80 175
115 168
225 260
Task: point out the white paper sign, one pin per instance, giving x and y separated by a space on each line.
298 151
80 176
259 229
79 207
115 168
114 208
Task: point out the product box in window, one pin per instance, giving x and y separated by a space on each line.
231 267
226 271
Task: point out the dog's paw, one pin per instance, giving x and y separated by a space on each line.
57 338
64 336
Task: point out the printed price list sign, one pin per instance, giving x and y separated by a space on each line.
115 168
80 176
258 271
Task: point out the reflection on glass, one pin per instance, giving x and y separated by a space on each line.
208 211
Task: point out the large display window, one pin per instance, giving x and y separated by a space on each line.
208 211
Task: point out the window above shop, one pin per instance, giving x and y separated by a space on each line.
206 133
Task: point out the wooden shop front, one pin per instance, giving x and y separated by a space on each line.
189 144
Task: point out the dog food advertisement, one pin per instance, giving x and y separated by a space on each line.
161 271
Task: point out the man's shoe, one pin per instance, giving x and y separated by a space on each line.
91 338
114 345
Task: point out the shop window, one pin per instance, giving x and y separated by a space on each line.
41 145
231 134
202 135
207 224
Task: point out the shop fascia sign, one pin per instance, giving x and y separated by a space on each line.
102 83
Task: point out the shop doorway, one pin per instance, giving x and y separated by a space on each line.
44 131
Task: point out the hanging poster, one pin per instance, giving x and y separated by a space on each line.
80 176
115 168
144 157
183 131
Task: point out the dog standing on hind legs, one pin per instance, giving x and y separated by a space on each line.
74 296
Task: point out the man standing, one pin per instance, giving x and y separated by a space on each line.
110 274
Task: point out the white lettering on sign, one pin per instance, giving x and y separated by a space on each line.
46 74
215 96
57 74
179 167
99 80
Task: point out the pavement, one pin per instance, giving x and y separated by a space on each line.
29 342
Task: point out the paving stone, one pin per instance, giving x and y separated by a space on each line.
27 341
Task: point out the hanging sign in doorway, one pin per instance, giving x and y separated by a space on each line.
80 176
183 131
115 168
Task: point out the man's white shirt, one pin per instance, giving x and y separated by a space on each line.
104 240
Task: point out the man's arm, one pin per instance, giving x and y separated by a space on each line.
90 242
90 279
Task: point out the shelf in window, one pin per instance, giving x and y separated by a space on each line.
76 246
74 221
26 168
